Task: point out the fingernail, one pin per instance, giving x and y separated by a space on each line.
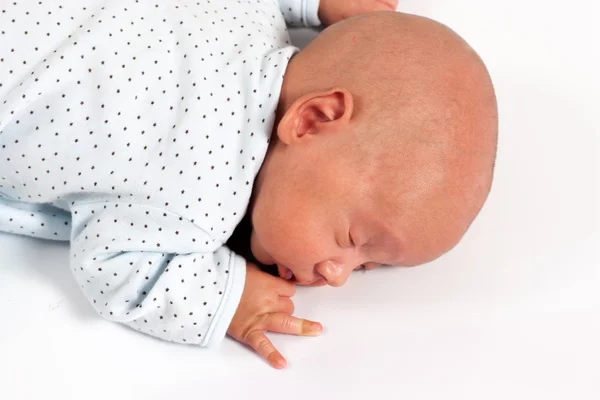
280 363
316 329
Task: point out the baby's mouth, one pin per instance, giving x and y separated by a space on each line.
284 272
287 274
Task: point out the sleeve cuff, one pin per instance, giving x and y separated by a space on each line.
231 300
311 10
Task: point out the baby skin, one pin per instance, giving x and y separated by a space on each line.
382 154
143 141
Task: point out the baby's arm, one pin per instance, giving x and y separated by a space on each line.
155 271
300 13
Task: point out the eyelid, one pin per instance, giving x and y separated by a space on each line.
352 243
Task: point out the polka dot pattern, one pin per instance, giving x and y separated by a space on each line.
135 130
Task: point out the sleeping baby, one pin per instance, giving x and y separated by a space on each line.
146 133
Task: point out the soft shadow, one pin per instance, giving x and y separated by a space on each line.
50 260
302 36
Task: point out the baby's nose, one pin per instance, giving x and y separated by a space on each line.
334 273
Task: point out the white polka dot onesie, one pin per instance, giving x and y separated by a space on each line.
135 129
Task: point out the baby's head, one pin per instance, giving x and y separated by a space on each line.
382 152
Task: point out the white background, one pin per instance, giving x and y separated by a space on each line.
513 312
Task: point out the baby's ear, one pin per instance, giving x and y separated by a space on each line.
323 112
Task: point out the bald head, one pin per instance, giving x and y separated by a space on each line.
403 69
422 134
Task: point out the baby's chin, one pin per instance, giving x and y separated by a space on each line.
259 252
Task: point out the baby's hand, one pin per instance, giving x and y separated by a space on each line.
266 305
332 11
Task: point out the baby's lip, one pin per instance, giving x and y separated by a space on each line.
284 272
318 282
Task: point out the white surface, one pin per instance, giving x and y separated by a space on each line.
512 313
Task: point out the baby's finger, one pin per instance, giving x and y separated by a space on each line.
389 4
285 323
286 305
285 288
263 346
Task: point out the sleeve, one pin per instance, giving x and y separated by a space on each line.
301 13
155 271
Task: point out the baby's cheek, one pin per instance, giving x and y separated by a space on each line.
290 248
291 235
270 244
258 250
